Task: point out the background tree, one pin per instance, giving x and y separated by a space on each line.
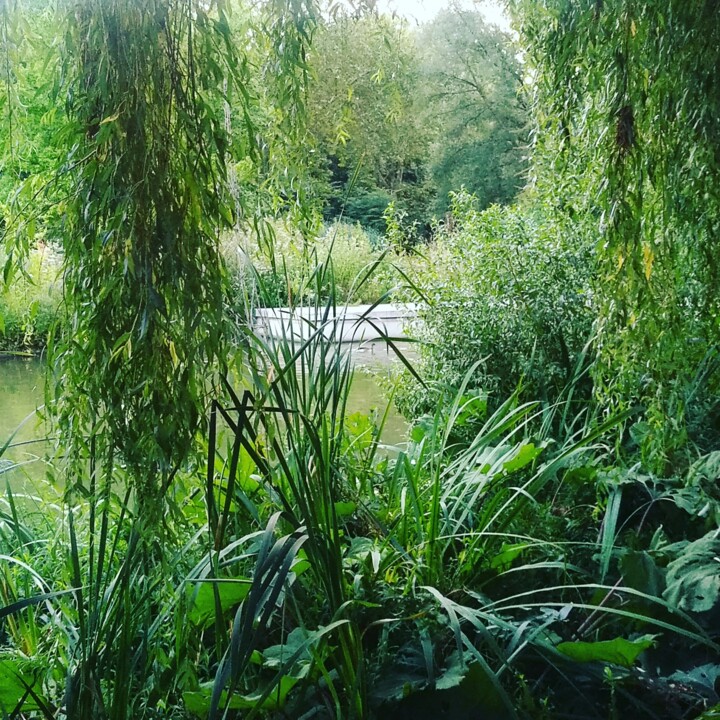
417 113
365 113
475 104
31 142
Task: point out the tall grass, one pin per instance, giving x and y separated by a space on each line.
301 382
282 270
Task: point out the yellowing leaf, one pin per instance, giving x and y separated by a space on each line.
173 354
648 258
633 28
110 118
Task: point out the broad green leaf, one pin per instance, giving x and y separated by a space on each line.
693 579
300 566
525 455
295 643
473 407
701 494
703 677
343 509
618 651
455 672
707 467
641 573
507 554
398 685
13 681
422 428
198 702
232 593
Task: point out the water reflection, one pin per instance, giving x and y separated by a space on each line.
22 394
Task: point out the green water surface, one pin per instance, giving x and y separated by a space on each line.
21 402
22 395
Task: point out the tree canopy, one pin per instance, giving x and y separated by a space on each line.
474 99
408 114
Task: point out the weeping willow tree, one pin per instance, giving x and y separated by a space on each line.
147 84
628 108
151 88
143 278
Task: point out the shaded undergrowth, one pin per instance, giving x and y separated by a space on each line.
491 567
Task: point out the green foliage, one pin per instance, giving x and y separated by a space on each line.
367 208
266 109
454 572
618 651
273 567
143 273
626 107
501 564
32 147
402 234
474 102
693 581
28 307
410 116
143 303
507 292
364 109
202 607
285 269
292 436
143 282
700 493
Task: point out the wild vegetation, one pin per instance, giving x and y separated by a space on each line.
508 290
28 307
281 277
214 534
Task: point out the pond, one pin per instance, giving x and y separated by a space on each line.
22 395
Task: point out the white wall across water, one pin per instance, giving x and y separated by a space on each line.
352 323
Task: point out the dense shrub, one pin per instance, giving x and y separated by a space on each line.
29 303
367 208
508 288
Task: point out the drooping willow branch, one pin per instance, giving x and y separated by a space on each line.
143 276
